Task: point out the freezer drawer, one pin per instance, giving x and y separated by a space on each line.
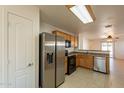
100 64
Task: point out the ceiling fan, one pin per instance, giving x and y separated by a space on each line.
110 38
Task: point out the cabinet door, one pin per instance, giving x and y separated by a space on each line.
67 37
82 61
89 61
59 33
77 60
75 42
72 41
64 35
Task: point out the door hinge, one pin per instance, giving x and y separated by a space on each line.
8 24
8 61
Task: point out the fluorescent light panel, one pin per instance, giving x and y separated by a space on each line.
82 13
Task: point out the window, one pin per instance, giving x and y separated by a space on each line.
107 46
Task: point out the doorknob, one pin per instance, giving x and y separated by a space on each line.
30 64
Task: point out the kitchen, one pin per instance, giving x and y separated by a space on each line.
85 49
64 62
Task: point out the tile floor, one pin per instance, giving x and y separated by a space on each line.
84 78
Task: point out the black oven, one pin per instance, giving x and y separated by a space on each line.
66 52
67 44
71 64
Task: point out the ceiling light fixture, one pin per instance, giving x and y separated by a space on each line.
83 12
109 38
108 26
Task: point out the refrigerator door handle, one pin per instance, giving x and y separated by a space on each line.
48 58
51 57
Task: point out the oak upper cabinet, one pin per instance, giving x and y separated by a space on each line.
73 41
64 35
68 37
58 33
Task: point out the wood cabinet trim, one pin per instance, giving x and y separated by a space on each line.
69 37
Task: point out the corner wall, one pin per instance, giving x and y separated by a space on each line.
119 49
83 42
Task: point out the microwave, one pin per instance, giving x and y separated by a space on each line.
67 44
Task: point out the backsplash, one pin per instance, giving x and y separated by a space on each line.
69 49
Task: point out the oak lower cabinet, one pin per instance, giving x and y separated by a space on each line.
89 61
77 60
85 60
65 64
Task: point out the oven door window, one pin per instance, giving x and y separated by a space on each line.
72 63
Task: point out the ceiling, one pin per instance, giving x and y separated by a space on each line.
60 16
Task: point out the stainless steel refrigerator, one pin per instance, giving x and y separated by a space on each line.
51 60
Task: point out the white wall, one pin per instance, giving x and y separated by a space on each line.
1 50
119 49
45 27
83 42
94 44
30 12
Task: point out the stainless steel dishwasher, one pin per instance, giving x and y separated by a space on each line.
100 64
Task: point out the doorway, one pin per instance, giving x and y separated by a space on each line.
108 46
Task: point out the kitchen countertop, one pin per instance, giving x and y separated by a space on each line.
92 52
89 58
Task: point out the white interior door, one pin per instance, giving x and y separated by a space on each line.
1 52
20 52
